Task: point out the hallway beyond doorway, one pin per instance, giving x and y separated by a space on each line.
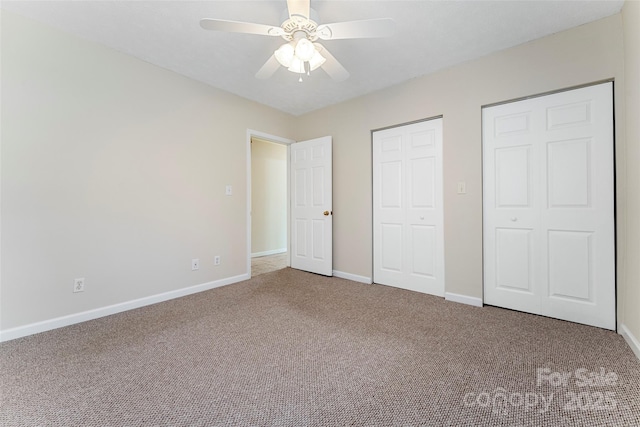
267 264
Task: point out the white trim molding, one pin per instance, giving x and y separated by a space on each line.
463 299
59 322
266 253
352 277
630 339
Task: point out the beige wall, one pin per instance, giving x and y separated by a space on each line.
629 295
114 170
268 196
581 55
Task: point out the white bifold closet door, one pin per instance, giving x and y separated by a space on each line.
549 234
408 235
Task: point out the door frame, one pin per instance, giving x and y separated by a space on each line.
615 177
276 140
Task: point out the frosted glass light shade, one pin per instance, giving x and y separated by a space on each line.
304 50
316 60
297 65
284 54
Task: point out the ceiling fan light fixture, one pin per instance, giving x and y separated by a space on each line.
285 54
305 49
299 27
297 65
316 60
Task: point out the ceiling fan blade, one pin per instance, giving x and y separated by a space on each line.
240 27
298 9
332 67
269 67
369 28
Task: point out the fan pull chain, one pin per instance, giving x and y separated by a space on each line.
307 69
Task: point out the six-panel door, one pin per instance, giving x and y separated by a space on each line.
549 239
407 216
311 206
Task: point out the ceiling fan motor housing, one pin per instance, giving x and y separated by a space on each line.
296 27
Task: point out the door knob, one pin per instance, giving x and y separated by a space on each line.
514 219
325 213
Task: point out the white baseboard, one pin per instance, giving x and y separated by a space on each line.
463 299
354 277
265 253
630 339
59 322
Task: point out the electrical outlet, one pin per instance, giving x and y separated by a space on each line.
228 190
216 260
78 285
195 264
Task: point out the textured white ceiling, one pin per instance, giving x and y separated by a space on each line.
431 35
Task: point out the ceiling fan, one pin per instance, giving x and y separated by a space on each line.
301 53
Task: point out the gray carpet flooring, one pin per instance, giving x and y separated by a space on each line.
289 348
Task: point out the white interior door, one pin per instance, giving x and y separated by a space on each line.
549 238
407 207
311 206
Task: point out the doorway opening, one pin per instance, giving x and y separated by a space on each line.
268 203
